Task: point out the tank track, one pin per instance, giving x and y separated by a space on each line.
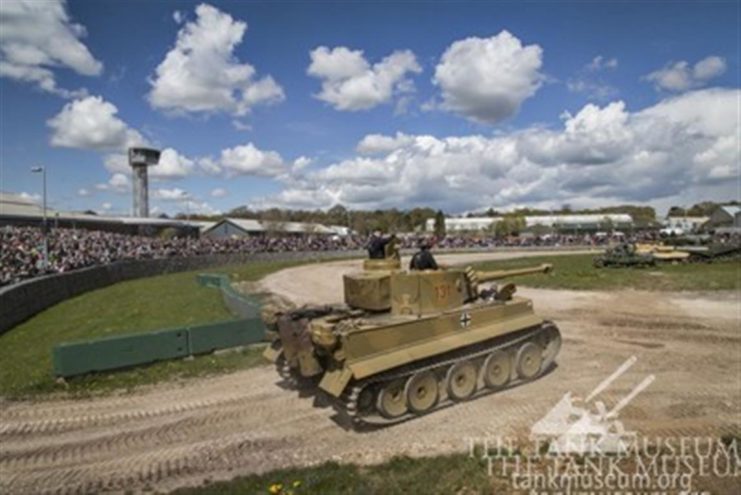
355 406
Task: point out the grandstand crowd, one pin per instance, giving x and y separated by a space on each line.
21 253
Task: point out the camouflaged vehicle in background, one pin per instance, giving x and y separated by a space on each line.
624 255
649 254
406 343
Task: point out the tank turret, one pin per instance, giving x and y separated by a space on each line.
385 287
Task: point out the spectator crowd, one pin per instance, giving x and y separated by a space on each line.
21 248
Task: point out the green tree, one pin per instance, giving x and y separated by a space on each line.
439 224
510 225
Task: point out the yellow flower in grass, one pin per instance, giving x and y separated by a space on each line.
275 488
297 483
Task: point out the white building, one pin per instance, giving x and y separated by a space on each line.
464 224
683 225
241 227
592 221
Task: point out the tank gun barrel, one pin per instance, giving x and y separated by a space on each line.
488 276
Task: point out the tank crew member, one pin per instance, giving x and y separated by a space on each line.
423 259
377 245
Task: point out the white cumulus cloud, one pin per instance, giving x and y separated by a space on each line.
175 194
684 148
350 83
118 183
92 123
682 76
37 37
202 74
487 79
249 160
378 143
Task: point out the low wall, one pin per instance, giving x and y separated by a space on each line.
21 301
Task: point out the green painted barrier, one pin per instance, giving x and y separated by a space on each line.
208 338
125 351
119 352
215 280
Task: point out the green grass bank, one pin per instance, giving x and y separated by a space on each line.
159 302
576 272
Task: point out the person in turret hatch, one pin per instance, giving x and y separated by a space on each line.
423 259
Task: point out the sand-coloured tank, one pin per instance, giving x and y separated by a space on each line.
407 342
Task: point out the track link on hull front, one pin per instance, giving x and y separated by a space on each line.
359 401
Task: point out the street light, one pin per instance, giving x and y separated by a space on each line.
42 171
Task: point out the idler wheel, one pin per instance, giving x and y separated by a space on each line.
391 402
461 380
422 392
497 369
529 360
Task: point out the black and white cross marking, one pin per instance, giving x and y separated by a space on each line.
465 320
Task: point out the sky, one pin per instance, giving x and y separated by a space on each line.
460 106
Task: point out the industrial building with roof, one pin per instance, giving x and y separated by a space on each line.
241 227
20 211
725 219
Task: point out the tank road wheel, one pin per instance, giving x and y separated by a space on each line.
421 392
391 402
461 380
552 344
497 369
529 360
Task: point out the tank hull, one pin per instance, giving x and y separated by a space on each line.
376 350
384 343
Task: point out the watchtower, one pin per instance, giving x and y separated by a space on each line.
139 160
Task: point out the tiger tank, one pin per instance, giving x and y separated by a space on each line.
405 343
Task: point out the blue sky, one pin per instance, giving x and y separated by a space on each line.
454 105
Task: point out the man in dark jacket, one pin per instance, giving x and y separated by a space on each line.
423 259
377 246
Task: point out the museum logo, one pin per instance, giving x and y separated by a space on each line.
580 446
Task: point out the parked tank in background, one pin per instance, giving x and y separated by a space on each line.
649 254
624 255
408 342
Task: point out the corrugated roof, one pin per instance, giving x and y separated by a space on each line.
255 226
731 209
245 224
15 205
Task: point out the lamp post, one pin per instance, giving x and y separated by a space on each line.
42 171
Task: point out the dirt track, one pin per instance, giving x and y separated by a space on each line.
177 434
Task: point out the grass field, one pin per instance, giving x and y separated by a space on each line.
576 272
154 303
457 473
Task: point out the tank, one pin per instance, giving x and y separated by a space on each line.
405 343
625 255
